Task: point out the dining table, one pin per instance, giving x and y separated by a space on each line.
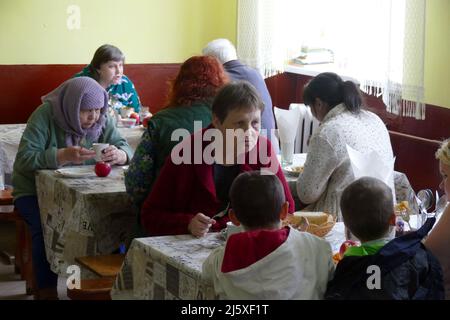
170 267
403 188
82 214
10 135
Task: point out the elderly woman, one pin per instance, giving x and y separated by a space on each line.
107 68
191 194
327 171
60 132
199 79
438 240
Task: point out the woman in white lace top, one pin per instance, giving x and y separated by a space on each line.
338 106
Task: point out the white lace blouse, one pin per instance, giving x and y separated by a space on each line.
327 169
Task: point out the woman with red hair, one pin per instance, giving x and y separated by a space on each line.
190 98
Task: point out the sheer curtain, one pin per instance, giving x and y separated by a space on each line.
378 42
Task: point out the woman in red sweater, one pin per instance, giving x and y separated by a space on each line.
193 184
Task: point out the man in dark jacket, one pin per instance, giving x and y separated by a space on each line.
225 52
400 269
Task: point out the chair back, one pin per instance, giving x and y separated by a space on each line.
307 125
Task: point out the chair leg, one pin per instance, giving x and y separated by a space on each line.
20 244
27 261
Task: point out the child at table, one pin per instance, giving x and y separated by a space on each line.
266 261
381 268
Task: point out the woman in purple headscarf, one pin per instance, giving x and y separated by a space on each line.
60 132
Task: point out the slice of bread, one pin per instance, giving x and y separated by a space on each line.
316 218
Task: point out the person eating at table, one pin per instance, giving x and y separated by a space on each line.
438 240
191 95
382 267
190 195
337 104
61 132
266 260
106 68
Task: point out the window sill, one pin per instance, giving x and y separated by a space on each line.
313 70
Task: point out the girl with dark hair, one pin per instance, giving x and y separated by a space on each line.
338 106
107 68
190 98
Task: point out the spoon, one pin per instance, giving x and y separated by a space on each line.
426 197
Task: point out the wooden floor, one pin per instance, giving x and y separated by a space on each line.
11 287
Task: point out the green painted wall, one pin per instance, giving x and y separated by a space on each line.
147 31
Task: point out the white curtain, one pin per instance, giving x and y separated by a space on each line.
378 42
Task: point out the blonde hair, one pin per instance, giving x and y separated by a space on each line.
443 153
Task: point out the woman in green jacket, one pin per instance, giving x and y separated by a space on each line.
191 95
60 132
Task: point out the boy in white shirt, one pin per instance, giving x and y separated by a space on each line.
266 261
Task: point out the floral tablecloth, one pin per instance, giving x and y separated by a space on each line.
170 267
82 216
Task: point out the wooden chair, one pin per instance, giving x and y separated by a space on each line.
92 289
107 267
23 261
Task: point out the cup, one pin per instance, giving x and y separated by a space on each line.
126 112
144 112
98 148
287 153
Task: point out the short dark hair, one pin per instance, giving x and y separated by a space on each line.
330 88
367 206
236 95
257 199
103 54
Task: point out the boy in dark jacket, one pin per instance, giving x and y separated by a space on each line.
381 268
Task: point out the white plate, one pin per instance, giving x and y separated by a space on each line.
293 170
81 172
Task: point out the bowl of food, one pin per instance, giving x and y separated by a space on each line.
293 170
128 122
317 223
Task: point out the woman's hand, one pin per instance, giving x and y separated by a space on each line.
113 155
200 224
75 155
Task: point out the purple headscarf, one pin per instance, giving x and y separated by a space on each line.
82 93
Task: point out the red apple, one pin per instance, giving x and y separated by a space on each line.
102 169
135 115
145 121
345 245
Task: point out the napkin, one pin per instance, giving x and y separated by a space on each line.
372 165
287 123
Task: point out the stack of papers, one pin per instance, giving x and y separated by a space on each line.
315 56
